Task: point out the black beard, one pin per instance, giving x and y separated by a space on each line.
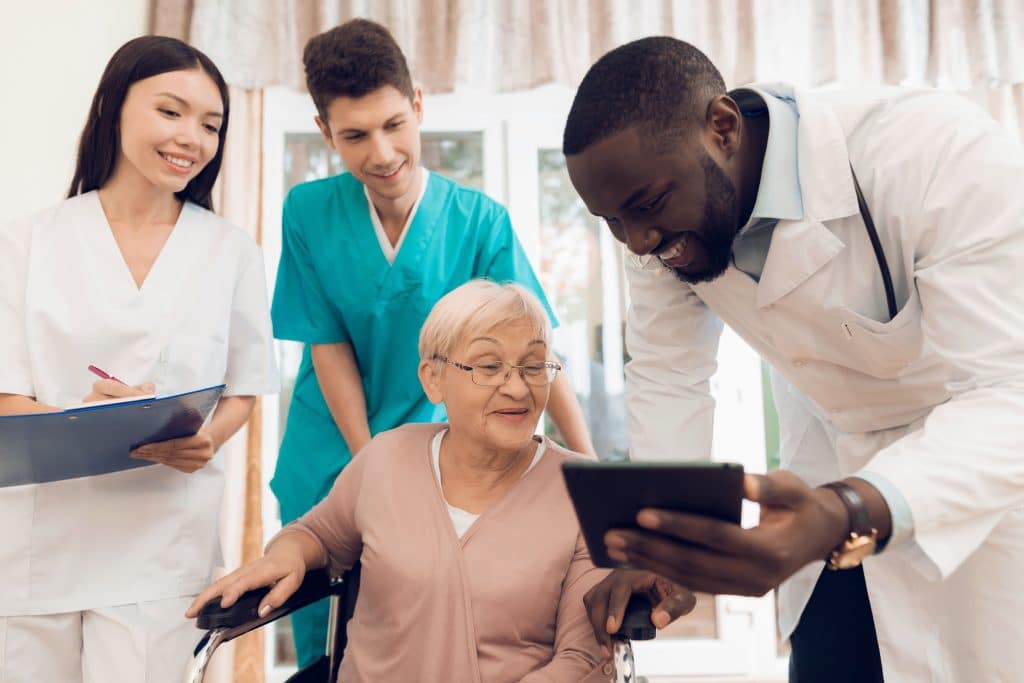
719 228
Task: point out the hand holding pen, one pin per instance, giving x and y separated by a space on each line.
108 387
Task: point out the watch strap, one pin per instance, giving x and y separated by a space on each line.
860 523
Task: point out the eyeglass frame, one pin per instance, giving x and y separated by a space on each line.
549 364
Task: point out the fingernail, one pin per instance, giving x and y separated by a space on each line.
614 540
659 618
647 519
617 555
264 610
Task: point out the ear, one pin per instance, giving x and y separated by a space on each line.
724 125
417 104
430 378
325 131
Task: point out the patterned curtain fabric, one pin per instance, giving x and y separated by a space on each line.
507 45
976 46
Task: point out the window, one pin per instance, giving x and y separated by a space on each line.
581 271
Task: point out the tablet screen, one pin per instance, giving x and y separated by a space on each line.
608 495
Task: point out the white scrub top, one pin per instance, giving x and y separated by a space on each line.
67 300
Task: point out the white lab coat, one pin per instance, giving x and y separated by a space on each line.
67 300
932 400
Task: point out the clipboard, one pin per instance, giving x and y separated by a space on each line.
92 440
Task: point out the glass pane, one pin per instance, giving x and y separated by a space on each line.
458 155
771 420
581 272
307 157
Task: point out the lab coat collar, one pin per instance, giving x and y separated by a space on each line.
778 194
822 157
800 248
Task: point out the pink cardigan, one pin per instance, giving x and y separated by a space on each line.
503 604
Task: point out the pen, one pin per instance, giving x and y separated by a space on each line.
103 375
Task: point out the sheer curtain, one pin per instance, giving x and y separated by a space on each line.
976 46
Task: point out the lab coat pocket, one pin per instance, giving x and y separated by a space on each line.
884 349
17 505
192 362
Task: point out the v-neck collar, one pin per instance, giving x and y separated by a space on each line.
390 251
405 273
496 508
123 276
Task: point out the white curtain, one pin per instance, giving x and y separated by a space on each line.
975 46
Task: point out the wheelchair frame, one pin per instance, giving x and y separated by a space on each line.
223 625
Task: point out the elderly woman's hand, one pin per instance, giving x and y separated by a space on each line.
606 602
283 571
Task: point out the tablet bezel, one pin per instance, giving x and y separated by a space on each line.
608 495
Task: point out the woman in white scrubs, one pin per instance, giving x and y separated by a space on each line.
135 274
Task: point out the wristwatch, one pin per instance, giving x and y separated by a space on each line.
863 537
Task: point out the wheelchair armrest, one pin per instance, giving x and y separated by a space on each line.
242 616
636 622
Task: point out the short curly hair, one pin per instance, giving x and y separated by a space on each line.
353 60
659 84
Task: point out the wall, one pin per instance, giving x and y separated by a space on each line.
52 56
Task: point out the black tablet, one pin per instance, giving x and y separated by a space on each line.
607 495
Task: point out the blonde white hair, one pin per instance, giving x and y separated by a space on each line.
476 307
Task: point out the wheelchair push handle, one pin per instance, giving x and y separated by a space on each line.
636 622
316 585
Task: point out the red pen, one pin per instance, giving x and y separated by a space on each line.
104 375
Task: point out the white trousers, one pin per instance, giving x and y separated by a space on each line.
149 642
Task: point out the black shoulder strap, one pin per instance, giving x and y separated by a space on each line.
883 266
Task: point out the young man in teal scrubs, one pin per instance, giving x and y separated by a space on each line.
365 256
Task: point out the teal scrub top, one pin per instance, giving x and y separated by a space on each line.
335 285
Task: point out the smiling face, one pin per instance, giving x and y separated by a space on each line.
169 128
675 203
501 418
378 138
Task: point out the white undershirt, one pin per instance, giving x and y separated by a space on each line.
390 252
462 519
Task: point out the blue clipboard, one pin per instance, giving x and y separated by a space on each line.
92 440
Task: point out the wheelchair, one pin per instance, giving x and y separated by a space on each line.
222 625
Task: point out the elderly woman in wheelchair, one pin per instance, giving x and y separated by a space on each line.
473 566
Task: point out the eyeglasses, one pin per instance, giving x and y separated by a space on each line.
496 373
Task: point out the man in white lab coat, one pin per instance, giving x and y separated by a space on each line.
898 367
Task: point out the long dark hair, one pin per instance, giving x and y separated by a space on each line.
138 59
